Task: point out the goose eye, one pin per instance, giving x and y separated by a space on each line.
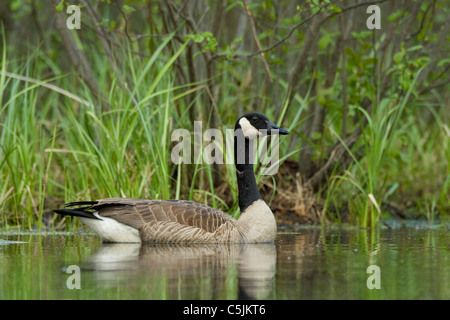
255 119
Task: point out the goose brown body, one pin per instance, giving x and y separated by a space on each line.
178 221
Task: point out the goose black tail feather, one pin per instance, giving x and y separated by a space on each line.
80 203
78 212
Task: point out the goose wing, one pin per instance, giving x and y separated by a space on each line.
137 212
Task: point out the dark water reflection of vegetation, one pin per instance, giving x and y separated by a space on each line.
311 263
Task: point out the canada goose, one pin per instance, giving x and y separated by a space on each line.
175 221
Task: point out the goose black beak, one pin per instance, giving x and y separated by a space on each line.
272 127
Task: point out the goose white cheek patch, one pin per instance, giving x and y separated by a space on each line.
249 131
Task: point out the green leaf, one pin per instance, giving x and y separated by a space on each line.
362 34
324 41
128 9
398 57
335 8
414 48
442 62
316 135
60 6
394 16
198 38
16 4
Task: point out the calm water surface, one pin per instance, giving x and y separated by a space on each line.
312 263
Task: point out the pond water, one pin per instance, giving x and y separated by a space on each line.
407 262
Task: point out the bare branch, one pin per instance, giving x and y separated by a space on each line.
295 27
255 37
76 56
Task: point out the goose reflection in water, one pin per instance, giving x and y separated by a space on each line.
187 271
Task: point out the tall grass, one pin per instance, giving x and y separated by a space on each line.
374 178
61 143
23 138
71 150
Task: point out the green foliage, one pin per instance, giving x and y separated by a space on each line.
158 66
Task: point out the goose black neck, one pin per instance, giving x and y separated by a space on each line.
248 189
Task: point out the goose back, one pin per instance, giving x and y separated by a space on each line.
137 212
160 220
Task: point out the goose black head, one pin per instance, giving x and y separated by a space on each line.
255 125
